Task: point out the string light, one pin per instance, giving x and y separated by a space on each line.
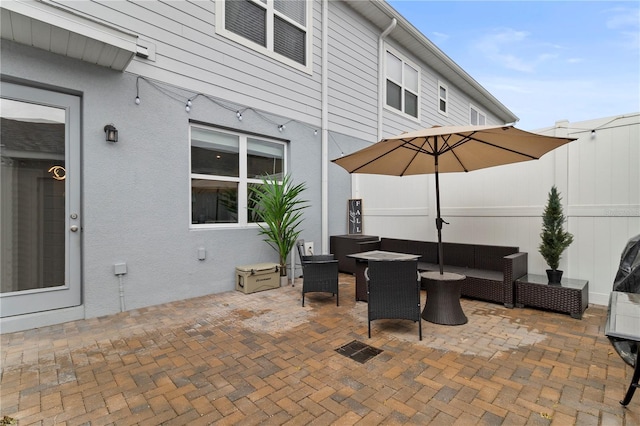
178 95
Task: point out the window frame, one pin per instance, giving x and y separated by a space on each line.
269 51
439 99
242 180
405 62
479 112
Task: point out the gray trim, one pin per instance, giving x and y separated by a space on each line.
236 130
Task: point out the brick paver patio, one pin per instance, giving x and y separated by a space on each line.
261 358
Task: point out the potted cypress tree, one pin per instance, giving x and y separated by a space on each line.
554 238
277 208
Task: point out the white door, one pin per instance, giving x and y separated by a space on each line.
40 222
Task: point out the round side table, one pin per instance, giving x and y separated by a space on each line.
443 298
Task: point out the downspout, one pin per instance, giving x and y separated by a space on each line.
381 38
325 129
355 184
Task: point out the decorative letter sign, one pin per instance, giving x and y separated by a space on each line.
355 216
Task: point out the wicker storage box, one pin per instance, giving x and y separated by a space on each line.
257 277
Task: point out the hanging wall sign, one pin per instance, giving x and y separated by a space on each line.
354 218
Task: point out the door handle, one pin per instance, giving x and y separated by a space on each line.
74 228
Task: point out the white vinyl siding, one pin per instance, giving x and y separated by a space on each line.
277 28
402 84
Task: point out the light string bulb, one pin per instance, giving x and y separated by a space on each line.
137 101
239 115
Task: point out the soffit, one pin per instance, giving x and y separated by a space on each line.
48 27
380 14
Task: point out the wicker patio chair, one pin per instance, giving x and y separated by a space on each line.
319 273
393 288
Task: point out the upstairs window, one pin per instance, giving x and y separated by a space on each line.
402 84
443 99
277 28
477 117
224 165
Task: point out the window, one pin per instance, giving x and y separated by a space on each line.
402 84
277 28
223 165
443 99
477 117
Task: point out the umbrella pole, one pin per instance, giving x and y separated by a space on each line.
438 218
439 225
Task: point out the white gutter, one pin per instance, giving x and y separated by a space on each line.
325 130
381 56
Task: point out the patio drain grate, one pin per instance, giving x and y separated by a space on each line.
358 351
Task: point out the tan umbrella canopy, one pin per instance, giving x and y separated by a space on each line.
445 149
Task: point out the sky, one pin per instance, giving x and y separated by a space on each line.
544 60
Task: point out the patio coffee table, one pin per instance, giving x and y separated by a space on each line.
443 298
362 261
571 296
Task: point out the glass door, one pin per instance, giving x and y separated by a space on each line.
40 235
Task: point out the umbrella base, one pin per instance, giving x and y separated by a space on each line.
443 298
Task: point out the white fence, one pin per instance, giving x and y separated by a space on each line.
598 177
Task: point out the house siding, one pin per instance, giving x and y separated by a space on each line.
190 54
353 73
136 193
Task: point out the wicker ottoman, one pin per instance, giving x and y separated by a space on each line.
570 296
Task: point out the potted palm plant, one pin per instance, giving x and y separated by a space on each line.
554 238
277 208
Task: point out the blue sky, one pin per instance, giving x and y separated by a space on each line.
544 60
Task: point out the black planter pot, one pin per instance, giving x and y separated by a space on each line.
554 276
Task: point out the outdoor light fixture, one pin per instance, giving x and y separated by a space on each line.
111 133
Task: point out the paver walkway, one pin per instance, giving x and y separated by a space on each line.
261 358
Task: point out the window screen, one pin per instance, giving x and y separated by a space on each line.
247 19
289 40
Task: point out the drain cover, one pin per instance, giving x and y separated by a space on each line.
358 351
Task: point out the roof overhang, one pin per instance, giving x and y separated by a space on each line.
380 14
43 25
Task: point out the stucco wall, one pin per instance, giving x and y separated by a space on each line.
136 192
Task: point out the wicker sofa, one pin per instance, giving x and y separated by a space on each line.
490 270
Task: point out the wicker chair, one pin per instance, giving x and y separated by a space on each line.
393 288
319 273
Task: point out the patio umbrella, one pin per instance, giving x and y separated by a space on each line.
445 149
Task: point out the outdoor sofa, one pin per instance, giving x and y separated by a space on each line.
490 270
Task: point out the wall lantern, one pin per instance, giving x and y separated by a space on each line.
111 133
